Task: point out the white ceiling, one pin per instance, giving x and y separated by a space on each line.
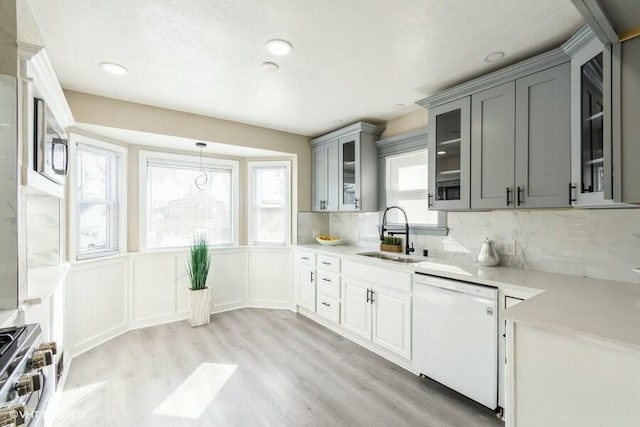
352 59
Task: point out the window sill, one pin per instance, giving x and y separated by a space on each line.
425 230
428 231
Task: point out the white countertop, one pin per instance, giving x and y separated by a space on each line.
43 281
603 309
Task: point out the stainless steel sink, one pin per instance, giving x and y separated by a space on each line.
388 257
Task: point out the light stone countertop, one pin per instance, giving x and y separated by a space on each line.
606 310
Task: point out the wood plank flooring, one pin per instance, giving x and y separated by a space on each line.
281 369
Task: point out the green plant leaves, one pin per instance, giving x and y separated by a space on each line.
199 263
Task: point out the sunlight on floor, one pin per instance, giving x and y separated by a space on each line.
64 406
195 393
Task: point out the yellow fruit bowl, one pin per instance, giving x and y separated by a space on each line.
328 240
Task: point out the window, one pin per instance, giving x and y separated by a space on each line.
174 210
98 208
269 203
406 186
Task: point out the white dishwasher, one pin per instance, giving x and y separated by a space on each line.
455 336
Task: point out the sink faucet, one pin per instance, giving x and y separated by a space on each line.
392 231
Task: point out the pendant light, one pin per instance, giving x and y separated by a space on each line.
201 180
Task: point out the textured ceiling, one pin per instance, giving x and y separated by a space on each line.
352 59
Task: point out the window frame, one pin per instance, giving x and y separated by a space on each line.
406 143
121 197
268 164
189 162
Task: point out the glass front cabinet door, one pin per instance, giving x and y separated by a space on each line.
591 127
349 172
449 155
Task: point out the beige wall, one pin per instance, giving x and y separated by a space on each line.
97 110
412 121
8 37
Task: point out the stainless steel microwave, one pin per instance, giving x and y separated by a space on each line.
51 150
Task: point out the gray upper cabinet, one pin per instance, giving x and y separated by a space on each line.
519 138
345 169
543 139
449 155
521 142
593 162
324 160
492 147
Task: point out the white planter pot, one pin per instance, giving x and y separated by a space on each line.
200 307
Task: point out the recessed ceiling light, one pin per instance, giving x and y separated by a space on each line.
338 121
441 153
270 66
398 106
279 47
112 68
492 57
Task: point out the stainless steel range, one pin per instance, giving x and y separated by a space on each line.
27 376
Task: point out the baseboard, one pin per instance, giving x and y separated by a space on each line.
92 343
159 320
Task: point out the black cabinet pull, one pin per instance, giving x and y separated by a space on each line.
519 197
326 263
429 200
305 258
356 205
372 294
571 188
368 299
327 304
311 276
324 279
508 196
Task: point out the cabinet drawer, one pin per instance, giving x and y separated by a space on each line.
393 279
328 308
329 284
329 263
305 258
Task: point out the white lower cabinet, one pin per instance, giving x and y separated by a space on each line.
392 321
356 310
307 287
507 301
328 308
378 314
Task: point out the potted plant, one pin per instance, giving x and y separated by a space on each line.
391 244
199 294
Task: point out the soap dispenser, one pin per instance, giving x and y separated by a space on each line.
488 256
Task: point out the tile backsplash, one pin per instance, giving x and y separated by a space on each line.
603 243
43 231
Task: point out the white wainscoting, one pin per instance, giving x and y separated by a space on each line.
270 278
97 303
109 297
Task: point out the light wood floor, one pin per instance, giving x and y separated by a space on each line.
281 369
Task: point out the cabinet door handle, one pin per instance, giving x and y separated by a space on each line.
368 298
326 263
571 188
508 196
311 276
356 201
306 258
324 279
372 294
519 196
327 304
429 200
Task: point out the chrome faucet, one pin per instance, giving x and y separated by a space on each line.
383 228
